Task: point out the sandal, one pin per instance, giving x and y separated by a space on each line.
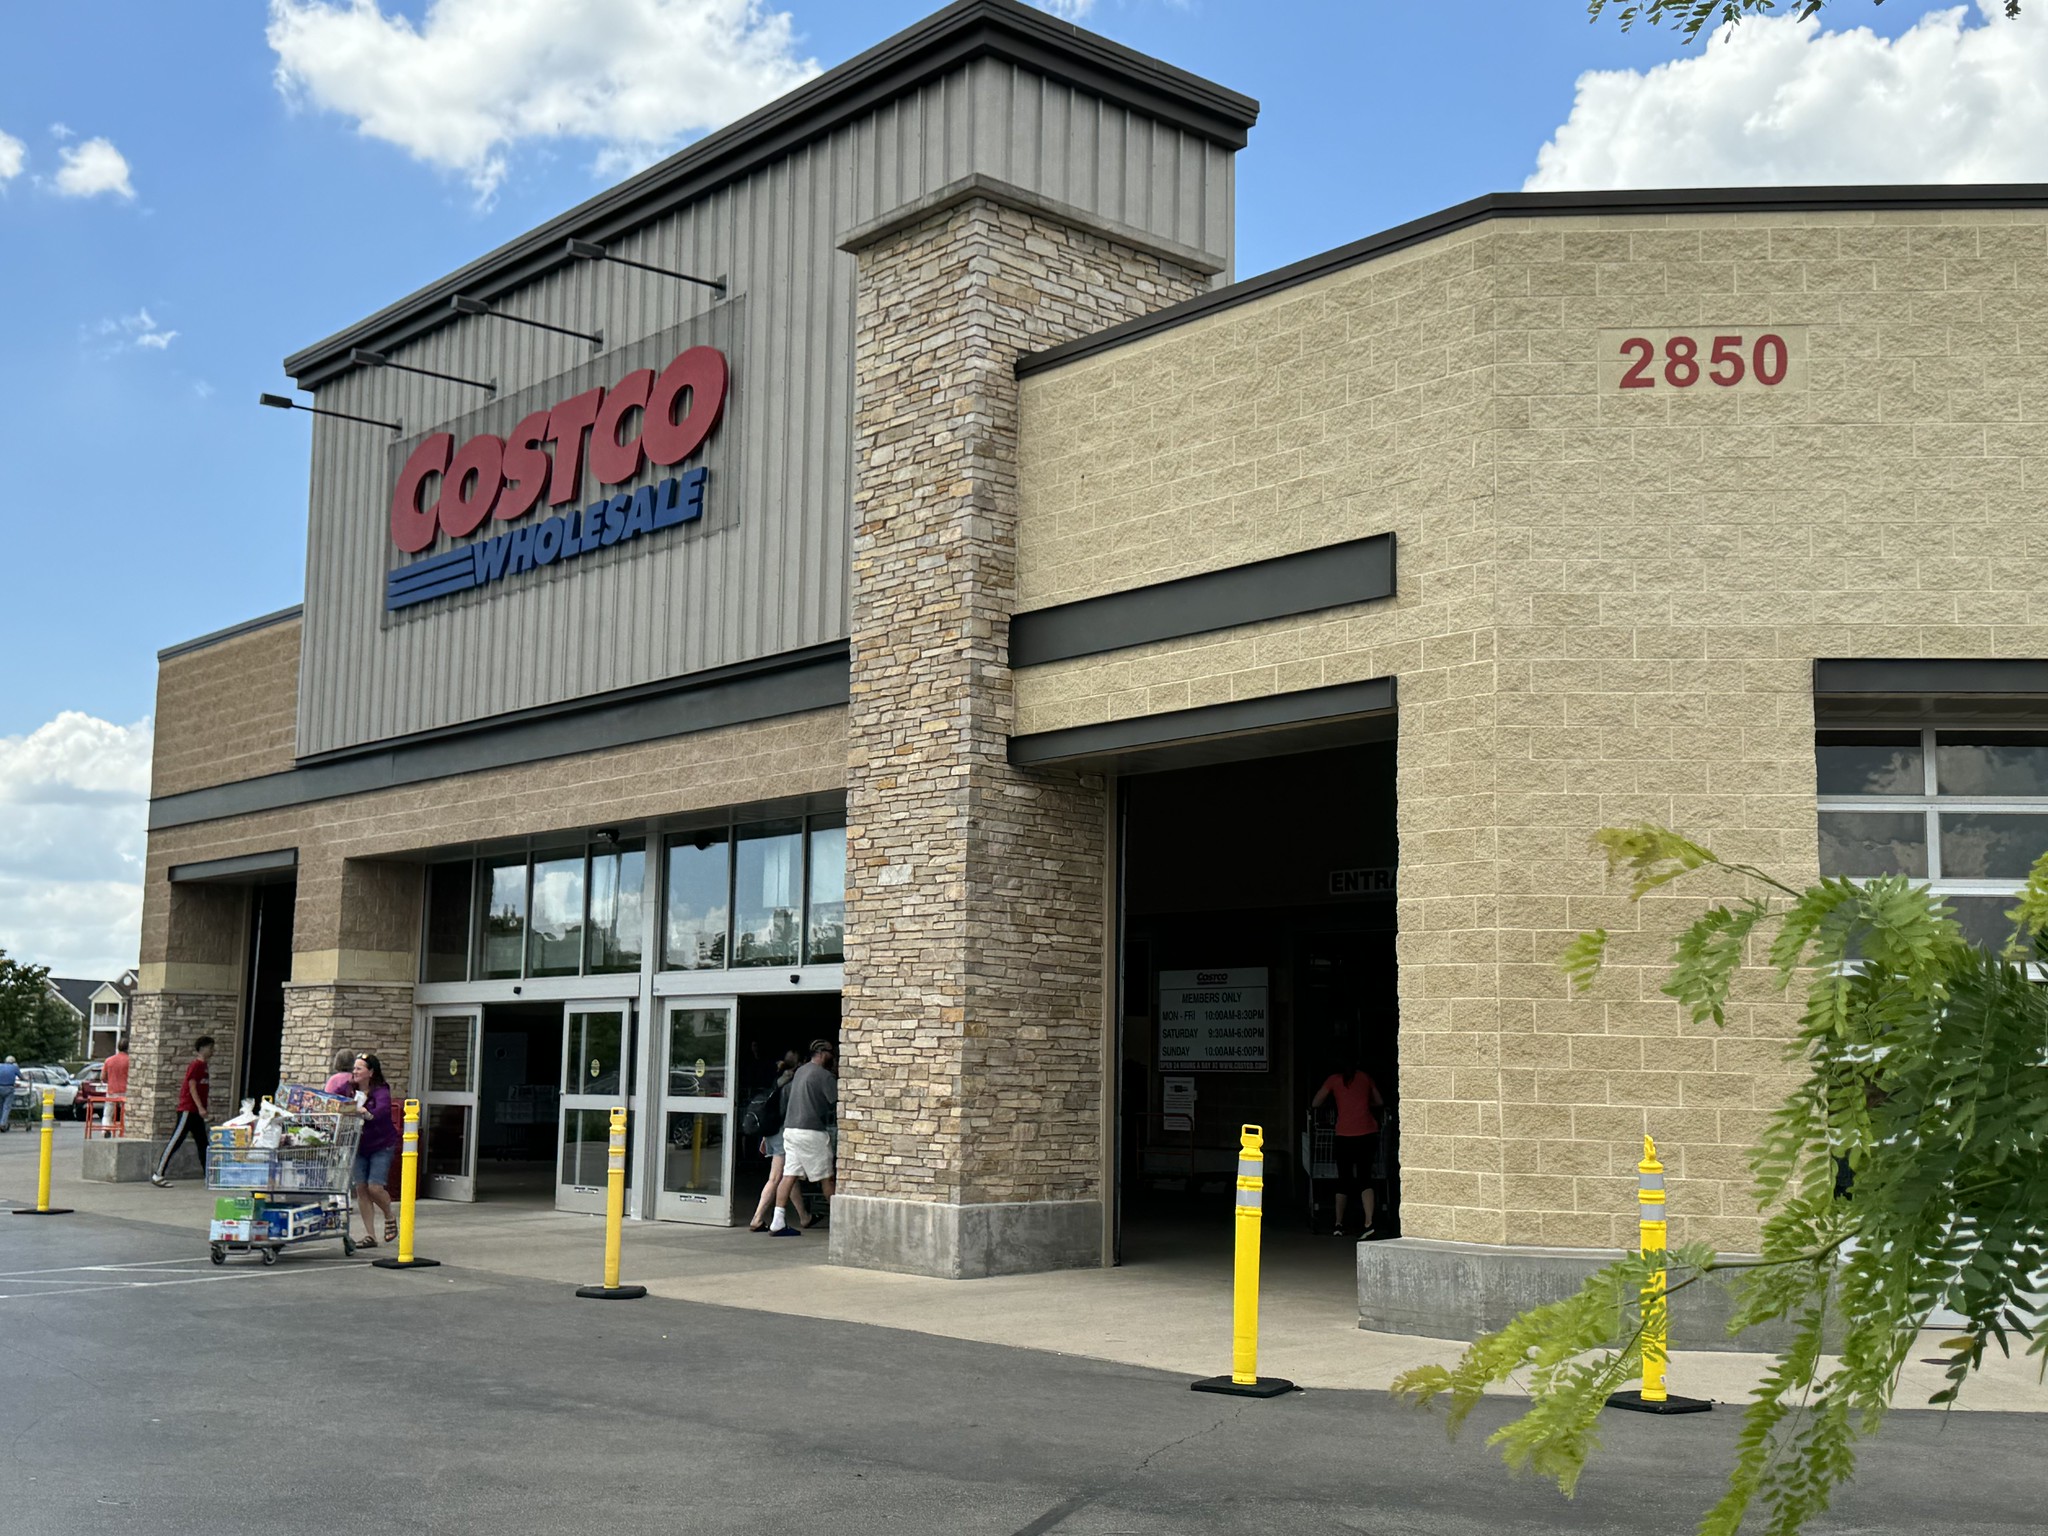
390 1229
365 1242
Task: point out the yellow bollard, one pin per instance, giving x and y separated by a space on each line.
614 1221
408 1194
1652 1231
43 1206
1244 1379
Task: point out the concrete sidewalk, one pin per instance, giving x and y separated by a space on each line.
1171 1313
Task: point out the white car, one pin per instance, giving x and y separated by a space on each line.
35 1080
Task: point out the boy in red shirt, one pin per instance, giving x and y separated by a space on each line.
193 1093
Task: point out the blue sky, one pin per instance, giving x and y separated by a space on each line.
149 499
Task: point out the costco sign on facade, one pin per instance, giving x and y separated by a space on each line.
502 479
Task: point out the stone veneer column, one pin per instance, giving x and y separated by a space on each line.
973 1031
189 984
355 956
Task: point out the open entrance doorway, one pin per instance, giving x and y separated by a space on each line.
772 1027
519 1099
1256 961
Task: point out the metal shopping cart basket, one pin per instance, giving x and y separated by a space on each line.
1318 1159
268 1199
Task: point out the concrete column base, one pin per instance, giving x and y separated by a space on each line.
965 1242
131 1159
1460 1290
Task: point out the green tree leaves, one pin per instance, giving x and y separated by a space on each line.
33 1027
1907 1171
1691 16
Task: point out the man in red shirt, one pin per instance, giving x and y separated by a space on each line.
115 1077
192 1101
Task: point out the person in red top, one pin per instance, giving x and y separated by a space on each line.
1357 1138
193 1094
115 1076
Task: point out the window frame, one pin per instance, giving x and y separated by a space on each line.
1930 803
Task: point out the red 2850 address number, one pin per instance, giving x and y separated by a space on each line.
1729 359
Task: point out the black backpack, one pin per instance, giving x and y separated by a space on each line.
762 1114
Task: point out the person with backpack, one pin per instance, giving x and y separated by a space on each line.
762 1117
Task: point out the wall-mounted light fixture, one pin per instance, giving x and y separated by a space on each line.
463 304
590 250
283 403
363 357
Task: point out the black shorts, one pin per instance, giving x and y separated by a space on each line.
1356 1157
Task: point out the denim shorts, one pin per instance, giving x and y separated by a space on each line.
372 1168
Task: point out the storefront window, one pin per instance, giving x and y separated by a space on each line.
554 944
501 938
768 893
693 928
612 942
444 953
825 907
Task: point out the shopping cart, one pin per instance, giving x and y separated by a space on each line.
1318 1159
268 1199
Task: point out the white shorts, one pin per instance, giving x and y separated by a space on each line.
807 1154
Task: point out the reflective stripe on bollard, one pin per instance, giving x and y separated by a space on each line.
1244 1379
614 1220
1652 1231
43 1206
408 1194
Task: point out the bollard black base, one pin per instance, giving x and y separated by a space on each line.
1265 1386
611 1292
55 1210
405 1263
1632 1400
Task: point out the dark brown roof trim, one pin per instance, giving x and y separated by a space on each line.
955 36
1538 205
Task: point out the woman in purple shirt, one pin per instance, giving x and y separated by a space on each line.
372 1171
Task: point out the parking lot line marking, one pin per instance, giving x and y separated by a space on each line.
72 1269
147 1285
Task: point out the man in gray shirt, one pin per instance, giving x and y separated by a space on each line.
807 1132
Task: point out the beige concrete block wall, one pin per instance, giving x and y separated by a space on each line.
228 711
1608 608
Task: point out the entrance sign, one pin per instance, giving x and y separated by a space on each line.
1363 882
1213 1020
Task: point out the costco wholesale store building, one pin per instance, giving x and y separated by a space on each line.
1102 695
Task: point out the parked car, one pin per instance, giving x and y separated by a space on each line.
92 1090
55 1079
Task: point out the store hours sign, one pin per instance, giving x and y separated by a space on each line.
1213 1021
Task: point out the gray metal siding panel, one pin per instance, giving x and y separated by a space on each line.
771 574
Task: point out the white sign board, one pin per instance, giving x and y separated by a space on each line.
1212 1021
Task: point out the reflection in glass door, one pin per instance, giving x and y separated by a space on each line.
696 1111
448 1101
597 1074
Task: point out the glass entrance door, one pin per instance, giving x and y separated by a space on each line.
597 1075
696 1111
448 1106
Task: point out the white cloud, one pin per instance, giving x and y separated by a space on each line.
1067 10
477 78
74 806
1775 101
13 155
92 168
60 132
139 328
